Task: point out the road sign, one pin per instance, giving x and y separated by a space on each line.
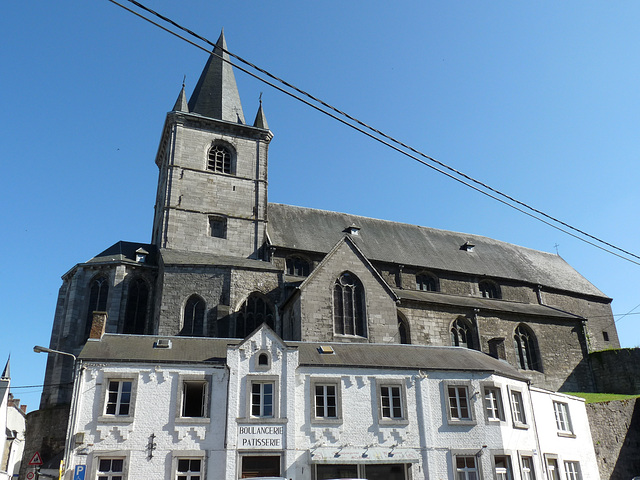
36 459
79 471
31 475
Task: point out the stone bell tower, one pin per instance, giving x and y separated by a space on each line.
212 187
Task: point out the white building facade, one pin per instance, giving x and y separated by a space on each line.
203 408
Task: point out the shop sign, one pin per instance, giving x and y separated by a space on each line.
261 437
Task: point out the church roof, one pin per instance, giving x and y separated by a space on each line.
216 93
125 252
142 348
318 231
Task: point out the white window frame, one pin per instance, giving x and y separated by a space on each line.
563 418
184 381
502 473
262 380
469 396
519 414
188 455
326 382
106 382
385 391
528 472
93 463
572 470
552 468
492 402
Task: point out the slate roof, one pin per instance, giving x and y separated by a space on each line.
318 231
495 305
194 350
179 257
125 252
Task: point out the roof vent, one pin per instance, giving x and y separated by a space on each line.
325 350
352 229
162 343
467 247
141 255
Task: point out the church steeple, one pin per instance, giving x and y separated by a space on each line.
181 102
261 119
216 93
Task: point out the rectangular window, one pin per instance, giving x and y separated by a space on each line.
572 471
503 467
552 469
563 421
218 226
110 469
517 408
528 472
391 401
262 399
118 397
326 401
194 398
458 403
189 469
466 468
493 403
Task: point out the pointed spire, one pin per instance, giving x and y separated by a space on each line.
216 93
6 373
181 102
261 119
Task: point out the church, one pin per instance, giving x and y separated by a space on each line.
224 265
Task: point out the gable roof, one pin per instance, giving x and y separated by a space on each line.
318 231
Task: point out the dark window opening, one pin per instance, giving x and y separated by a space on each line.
193 317
297 266
219 159
426 282
605 335
135 318
260 466
253 313
98 293
462 334
194 399
489 289
348 306
403 331
263 359
525 346
218 227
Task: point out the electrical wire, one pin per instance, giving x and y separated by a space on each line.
394 142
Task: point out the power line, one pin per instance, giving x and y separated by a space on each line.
390 141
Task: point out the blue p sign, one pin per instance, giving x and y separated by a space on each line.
79 471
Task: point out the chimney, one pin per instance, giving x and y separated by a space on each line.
23 408
98 325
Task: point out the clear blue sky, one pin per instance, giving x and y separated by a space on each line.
538 99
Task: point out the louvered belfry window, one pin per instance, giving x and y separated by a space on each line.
219 159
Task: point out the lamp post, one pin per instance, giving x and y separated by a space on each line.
72 413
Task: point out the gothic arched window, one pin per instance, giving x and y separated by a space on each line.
403 331
135 316
489 289
193 319
253 313
219 159
297 266
426 282
462 333
524 342
348 306
98 293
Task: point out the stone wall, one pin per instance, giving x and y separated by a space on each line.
615 428
46 432
617 371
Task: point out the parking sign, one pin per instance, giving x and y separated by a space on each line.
79 471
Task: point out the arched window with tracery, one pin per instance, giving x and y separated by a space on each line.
489 289
462 333
193 318
297 266
426 282
403 331
348 306
98 293
135 316
219 159
524 342
253 313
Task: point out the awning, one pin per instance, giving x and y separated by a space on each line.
364 455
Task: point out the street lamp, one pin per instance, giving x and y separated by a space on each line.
39 349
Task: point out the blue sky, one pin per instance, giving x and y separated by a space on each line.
538 99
